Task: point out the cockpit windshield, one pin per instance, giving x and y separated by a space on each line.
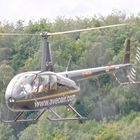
25 84
21 85
30 85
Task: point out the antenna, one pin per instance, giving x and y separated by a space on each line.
68 63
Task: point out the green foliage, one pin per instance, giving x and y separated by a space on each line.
6 133
30 134
113 109
121 129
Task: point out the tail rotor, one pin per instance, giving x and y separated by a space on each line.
132 74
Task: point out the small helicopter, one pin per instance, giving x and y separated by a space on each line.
42 90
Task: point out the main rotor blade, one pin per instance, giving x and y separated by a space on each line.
61 33
83 30
18 34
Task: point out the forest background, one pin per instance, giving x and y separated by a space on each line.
113 110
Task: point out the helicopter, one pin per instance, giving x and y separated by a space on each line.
42 90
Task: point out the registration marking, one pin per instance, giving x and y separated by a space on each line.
51 96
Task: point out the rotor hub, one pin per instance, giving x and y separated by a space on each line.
44 34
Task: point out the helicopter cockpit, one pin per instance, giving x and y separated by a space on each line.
19 87
30 85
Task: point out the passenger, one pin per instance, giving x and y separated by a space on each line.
35 85
38 86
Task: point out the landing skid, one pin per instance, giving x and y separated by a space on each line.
57 117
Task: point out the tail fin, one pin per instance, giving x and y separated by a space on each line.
126 58
130 73
127 51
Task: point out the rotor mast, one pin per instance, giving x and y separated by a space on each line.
46 63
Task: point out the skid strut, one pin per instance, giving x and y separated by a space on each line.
18 116
59 118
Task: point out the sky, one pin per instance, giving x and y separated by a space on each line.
13 10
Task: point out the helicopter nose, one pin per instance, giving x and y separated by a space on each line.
8 96
9 100
15 94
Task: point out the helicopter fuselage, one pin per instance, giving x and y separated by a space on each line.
32 91
36 90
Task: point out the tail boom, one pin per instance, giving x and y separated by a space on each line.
88 73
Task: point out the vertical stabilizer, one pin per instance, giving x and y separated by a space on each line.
127 51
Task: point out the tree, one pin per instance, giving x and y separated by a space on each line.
6 132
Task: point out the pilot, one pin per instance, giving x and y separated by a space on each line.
35 85
26 88
38 86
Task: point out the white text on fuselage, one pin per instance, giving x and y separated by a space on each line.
55 101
